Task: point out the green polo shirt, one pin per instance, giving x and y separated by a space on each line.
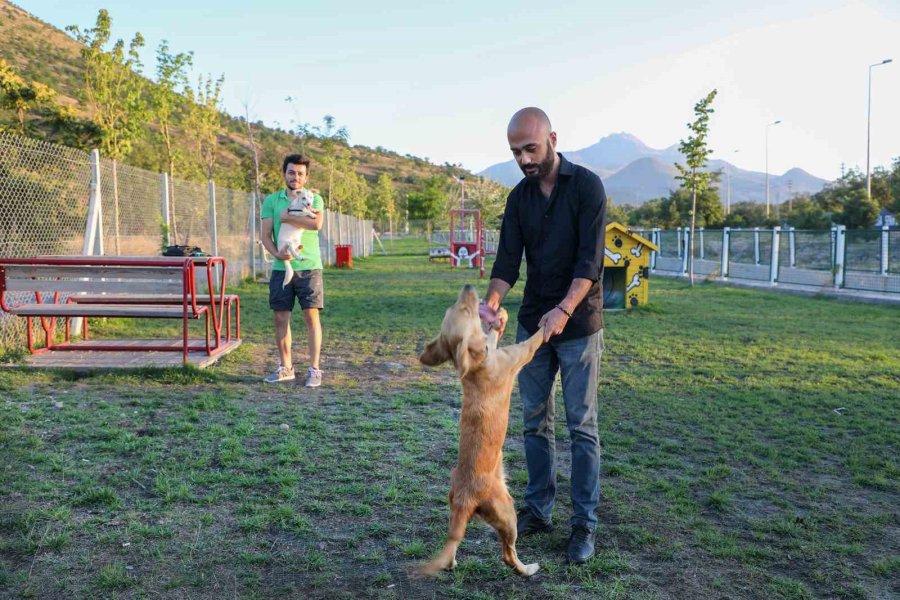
272 207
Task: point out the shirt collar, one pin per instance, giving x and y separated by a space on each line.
565 167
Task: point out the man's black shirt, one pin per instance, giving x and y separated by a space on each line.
563 239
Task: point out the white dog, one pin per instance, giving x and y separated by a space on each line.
290 237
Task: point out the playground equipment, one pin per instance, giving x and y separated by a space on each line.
466 239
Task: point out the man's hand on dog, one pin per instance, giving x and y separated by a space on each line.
493 318
553 323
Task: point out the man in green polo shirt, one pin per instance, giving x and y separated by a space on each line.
306 285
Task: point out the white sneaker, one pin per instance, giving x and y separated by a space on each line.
280 374
314 377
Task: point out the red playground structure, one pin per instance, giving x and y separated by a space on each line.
466 238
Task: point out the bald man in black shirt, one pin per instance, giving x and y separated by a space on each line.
555 215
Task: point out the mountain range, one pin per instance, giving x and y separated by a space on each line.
633 173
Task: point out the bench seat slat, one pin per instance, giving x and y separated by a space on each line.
105 310
142 299
96 272
48 286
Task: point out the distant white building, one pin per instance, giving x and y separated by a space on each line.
886 219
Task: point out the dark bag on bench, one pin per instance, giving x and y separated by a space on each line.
182 251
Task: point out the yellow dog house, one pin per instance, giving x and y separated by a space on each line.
626 268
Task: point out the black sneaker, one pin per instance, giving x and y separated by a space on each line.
581 544
527 523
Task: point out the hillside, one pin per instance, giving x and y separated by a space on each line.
44 53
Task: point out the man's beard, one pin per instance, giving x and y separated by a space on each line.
544 167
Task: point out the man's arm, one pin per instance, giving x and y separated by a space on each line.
556 320
506 267
268 240
304 222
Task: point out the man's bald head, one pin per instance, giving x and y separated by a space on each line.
533 143
532 119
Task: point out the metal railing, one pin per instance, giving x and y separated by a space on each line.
861 259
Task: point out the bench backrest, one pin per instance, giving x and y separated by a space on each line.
94 279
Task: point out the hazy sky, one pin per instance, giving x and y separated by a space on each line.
440 80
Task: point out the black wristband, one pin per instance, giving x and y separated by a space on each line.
565 312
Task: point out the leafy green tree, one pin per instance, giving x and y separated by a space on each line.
858 212
332 138
895 185
430 201
203 123
694 176
23 96
112 86
383 201
748 214
171 77
807 214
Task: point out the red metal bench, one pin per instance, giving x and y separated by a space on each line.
122 287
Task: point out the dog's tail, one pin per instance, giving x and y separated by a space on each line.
288 273
446 558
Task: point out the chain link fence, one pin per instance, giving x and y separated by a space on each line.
45 196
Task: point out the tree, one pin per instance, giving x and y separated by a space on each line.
859 211
112 86
23 96
331 137
382 203
204 120
429 202
694 176
171 76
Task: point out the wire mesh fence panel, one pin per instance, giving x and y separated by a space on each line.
44 196
709 245
749 254
668 243
132 210
233 230
863 250
190 215
809 249
893 252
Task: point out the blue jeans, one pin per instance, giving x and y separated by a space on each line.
579 362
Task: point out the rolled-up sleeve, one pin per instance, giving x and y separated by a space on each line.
510 246
591 229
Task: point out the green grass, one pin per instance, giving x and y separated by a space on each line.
726 471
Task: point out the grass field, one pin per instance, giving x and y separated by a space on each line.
750 445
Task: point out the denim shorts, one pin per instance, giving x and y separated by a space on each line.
306 287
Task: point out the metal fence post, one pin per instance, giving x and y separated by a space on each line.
885 249
685 254
792 248
726 241
840 246
253 218
166 218
213 240
702 255
93 231
773 262
756 245
654 237
678 237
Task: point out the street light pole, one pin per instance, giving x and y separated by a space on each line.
869 128
767 164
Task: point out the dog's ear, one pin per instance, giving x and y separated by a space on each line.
435 352
470 354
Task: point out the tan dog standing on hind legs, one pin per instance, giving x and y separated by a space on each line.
477 483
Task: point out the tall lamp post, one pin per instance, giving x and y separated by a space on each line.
767 164
869 128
